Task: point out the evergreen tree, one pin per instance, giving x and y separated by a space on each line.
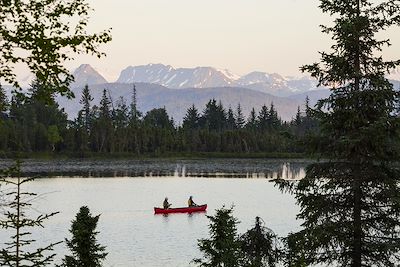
214 116
222 249
259 247
307 107
105 106
192 119
121 114
18 251
298 119
3 102
85 101
158 118
134 114
230 120
273 119
104 124
86 251
240 121
264 118
350 204
252 120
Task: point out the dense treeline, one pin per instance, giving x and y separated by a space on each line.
34 123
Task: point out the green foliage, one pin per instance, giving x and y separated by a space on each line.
240 120
158 118
53 136
84 113
86 252
18 251
34 124
350 205
50 32
3 101
191 120
259 247
222 249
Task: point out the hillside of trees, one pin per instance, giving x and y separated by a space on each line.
33 123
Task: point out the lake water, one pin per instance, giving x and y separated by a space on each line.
134 236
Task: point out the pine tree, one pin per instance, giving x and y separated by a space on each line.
252 120
134 112
350 204
298 119
18 251
214 116
192 119
230 120
3 101
264 118
259 247
85 101
121 114
158 118
273 119
86 251
102 129
240 121
222 249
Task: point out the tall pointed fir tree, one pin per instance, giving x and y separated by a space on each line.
19 251
134 114
222 249
3 102
350 204
263 118
252 120
85 113
105 124
240 120
86 251
230 120
192 119
84 120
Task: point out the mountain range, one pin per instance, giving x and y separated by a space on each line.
207 77
161 85
177 89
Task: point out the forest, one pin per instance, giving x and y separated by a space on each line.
32 123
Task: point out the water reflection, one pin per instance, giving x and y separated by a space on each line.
203 168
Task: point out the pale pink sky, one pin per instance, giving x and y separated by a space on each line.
239 35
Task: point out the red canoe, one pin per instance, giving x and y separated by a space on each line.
180 210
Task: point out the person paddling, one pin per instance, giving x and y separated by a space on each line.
191 202
166 203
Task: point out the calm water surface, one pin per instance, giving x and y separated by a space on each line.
134 236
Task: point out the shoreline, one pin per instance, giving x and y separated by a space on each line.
160 156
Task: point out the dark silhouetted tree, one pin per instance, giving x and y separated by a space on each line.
50 33
222 249
18 252
86 251
192 119
240 120
350 203
259 247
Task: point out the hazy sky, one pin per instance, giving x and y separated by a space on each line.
239 35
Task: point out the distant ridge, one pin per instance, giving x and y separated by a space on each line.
177 102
